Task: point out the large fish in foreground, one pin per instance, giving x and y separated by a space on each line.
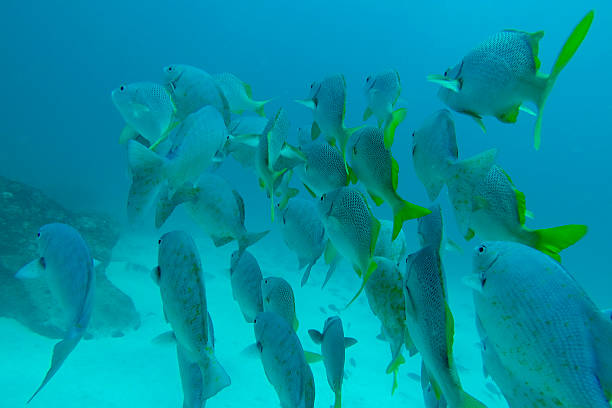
498 76
66 265
544 328
181 285
431 325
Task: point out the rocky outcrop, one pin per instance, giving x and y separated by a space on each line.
23 210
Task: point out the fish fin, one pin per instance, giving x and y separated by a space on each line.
309 103
312 357
221 241
377 200
450 333
396 117
510 116
164 338
246 139
366 276
128 133
306 274
330 272
394 173
409 344
351 176
410 306
331 258
248 90
309 190
315 131
380 123
448 83
259 109
316 336
349 341
463 176
166 205
338 398
147 169
240 204
527 110
521 206
567 52
31 270
477 118
467 401
453 246
406 211
296 324
395 364
534 41
214 377
60 352
472 281
529 214
375 232
249 238
250 351
469 234
367 113
551 241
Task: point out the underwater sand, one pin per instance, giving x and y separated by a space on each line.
132 371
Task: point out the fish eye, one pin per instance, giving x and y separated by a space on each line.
169 69
482 249
38 235
413 134
312 85
368 79
446 73
265 281
122 88
159 242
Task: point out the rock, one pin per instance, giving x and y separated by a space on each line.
23 210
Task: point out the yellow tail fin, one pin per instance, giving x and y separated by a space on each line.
551 241
406 211
467 401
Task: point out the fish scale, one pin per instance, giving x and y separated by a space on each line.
278 297
497 193
324 169
539 307
330 95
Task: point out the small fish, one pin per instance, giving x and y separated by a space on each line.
215 207
285 192
181 285
333 343
323 170
192 88
352 229
146 107
246 284
64 261
499 212
382 92
538 318
431 326
387 247
303 233
327 99
386 299
499 75
238 94
374 165
283 360
195 142
278 298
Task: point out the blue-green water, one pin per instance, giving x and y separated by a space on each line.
60 61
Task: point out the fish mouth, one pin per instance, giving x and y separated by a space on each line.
175 80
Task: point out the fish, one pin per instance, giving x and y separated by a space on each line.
195 142
285 192
430 230
303 233
323 170
181 284
241 129
538 318
429 395
500 74
65 263
245 276
376 168
431 326
352 229
499 213
278 297
192 382
238 94
215 207
387 247
386 300
382 92
192 88
333 343
147 109
283 360
327 99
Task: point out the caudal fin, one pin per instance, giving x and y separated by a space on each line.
396 117
338 398
214 378
260 107
467 401
249 239
463 176
567 52
551 241
406 211
60 353
147 169
366 276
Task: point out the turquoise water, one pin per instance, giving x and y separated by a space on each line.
60 131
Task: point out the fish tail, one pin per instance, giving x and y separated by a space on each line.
567 52
392 122
306 274
551 241
166 203
147 170
404 211
214 378
467 401
366 276
249 238
60 353
259 108
338 398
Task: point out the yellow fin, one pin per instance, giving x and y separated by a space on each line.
406 211
315 131
309 190
366 115
394 173
510 116
397 116
377 200
248 90
551 241
521 206
366 276
312 357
